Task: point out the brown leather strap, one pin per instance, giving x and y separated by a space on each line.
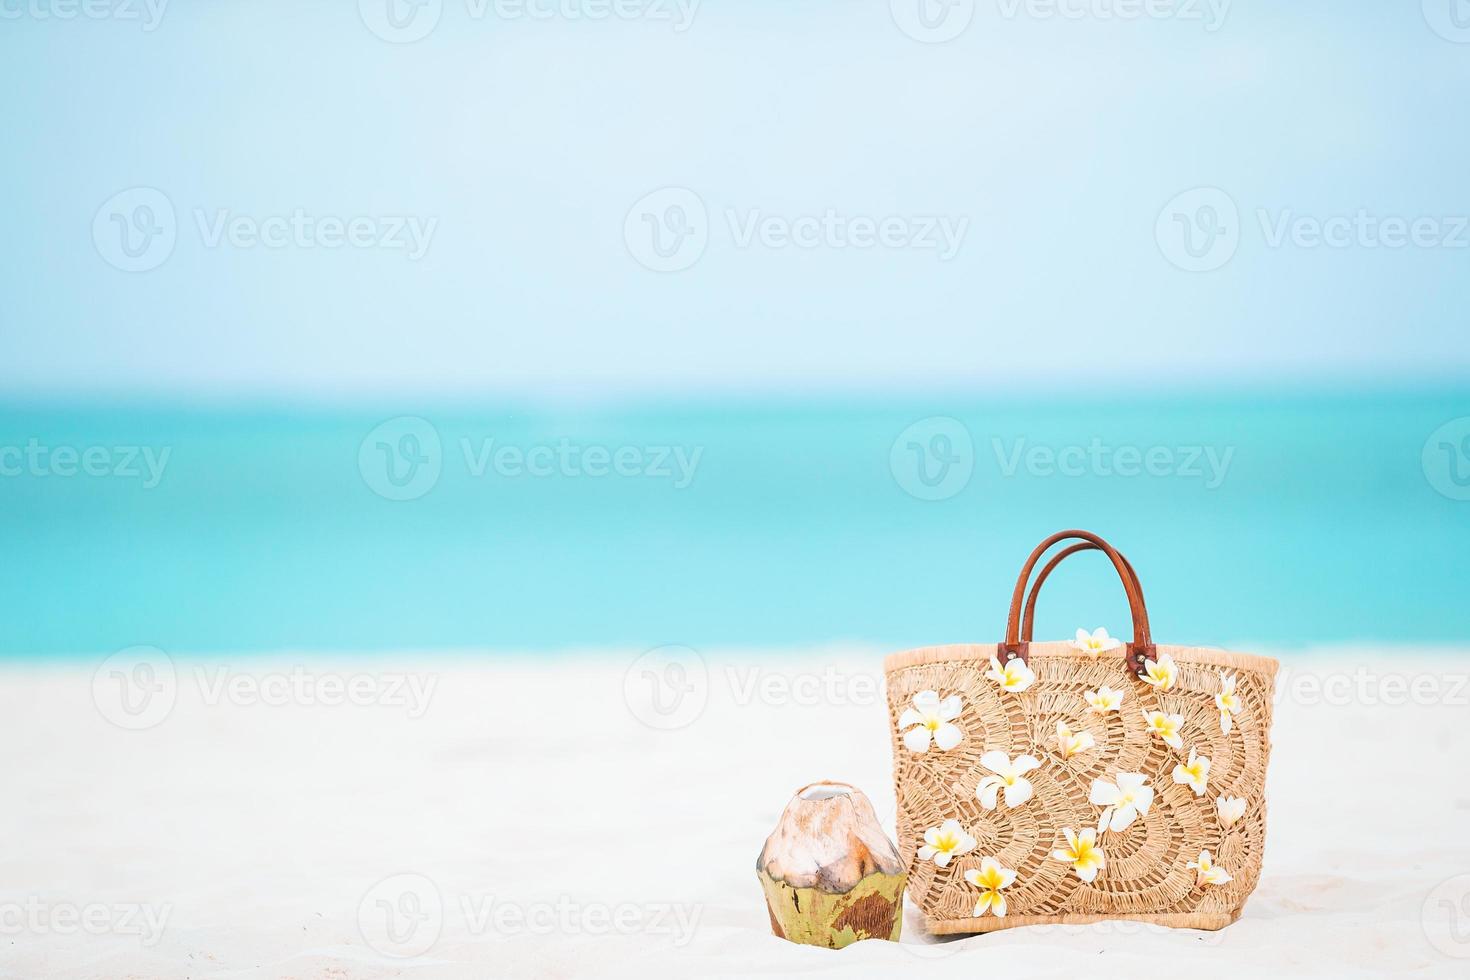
1142 646
1028 621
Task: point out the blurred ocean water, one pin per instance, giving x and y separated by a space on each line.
1279 519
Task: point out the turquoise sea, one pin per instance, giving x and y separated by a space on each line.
1254 518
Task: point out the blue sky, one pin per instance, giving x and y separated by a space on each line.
523 147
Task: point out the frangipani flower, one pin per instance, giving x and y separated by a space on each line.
1194 772
1125 800
1082 853
945 843
1230 808
1096 643
1014 676
1104 699
1165 727
1161 673
1227 702
990 879
1207 871
1069 745
931 717
1009 775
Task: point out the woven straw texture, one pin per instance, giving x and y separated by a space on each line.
1146 876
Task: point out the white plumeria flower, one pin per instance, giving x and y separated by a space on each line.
1207 871
1161 673
945 843
1165 727
1010 775
931 717
1227 702
1095 643
1015 676
1082 853
1194 772
1230 808
1124 800
1104 699
1069 744
990 879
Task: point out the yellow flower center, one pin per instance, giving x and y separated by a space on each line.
931 723
946 842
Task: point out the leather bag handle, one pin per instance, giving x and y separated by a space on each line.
1028 620
1139 649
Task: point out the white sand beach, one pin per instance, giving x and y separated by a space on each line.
308 817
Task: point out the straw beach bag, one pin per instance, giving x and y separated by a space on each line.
1043 783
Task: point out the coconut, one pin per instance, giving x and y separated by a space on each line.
830 875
